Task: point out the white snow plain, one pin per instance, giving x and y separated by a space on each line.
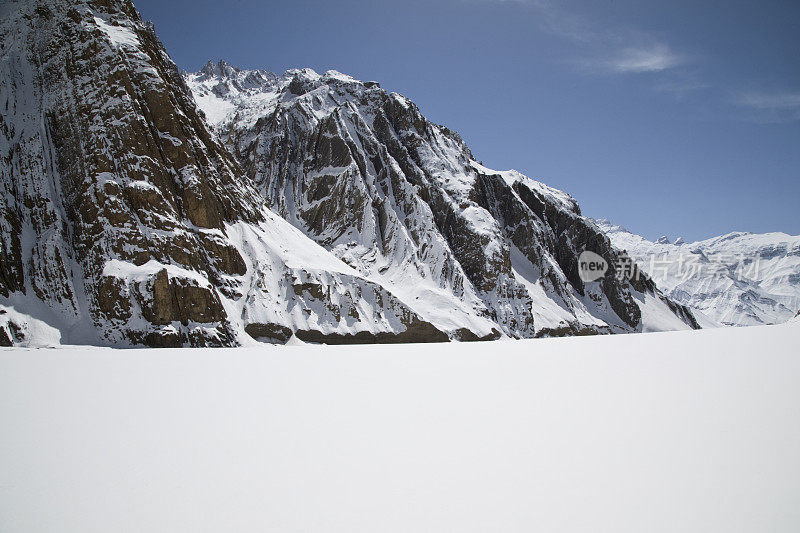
682 431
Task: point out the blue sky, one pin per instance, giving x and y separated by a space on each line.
678 118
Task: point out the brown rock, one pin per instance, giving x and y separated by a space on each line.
113 298
5 339
418 331
181 300
268 331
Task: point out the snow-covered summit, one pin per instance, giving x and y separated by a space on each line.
227 94
362 172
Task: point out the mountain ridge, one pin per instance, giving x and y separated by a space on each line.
330 210
387 153
737 279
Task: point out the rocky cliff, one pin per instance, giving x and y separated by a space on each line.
124 221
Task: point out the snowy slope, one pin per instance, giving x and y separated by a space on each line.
738 279
685 431
472 250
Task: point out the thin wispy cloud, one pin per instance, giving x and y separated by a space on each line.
607 51
655 58
771 101
563 24
771 107
595 49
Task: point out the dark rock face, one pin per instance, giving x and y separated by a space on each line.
416 331
11 333
181 300
465 335
570 331
5 338
114 163
268 331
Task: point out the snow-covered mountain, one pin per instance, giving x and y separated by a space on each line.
402 200
738 279
124 220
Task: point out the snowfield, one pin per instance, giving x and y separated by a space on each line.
682 431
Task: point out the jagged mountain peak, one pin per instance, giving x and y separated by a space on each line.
265 79
365 174
241 92
218 69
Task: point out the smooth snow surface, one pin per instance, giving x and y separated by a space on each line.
663 432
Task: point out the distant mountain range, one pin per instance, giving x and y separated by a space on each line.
142 206
738 279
